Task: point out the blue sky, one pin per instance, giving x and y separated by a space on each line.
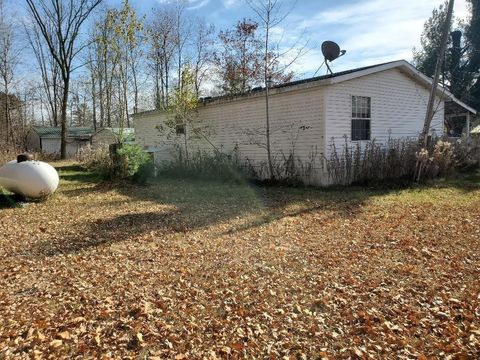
372 31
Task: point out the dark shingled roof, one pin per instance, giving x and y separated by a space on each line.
55 132
206 100
329 76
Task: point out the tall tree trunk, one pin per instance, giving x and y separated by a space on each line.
267 109
101 99
135 86
63 141
438 69
166 86
108 104
94 103
55 101
7 115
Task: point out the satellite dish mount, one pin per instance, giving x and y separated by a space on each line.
331 51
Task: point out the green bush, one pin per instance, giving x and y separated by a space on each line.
138 165
130 162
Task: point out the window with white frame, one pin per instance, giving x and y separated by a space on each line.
361 118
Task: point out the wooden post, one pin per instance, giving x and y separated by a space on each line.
438 69
118 162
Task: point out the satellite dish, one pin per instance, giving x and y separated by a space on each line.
330 50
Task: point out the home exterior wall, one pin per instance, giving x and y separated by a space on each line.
296 123
305 119
398 105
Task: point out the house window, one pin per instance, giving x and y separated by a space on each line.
180 129
361 117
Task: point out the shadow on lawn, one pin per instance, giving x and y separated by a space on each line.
191 205
108 231
9 201
187 205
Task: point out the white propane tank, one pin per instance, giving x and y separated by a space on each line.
32 179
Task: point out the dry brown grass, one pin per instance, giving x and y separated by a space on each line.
7 153
192 270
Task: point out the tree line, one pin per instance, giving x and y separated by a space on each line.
96 65
461 66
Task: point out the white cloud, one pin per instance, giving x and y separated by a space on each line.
371 31
231 3
197 4
191 4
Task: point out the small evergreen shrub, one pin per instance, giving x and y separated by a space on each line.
129 162
138 164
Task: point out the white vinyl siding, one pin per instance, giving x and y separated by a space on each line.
304 119
296 125
398 105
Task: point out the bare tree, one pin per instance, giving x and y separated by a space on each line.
49 71
202 52
9 59
271 13
162 44
107 57
59 22
94 74
182 33
128 27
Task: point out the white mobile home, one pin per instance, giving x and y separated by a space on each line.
375 102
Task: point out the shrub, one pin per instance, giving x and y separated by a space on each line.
138 165
97 160
130 162
467 153
398 159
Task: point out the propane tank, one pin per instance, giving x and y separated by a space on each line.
29 178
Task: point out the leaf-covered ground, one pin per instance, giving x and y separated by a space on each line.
194 270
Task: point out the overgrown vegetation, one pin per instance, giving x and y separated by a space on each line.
400 159
8 153
205 166
129 162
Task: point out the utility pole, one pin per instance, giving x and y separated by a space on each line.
438 69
